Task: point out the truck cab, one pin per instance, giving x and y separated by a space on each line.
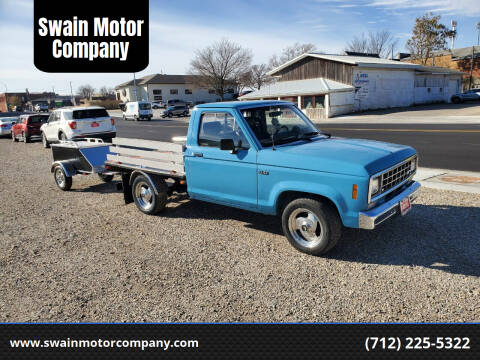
268 157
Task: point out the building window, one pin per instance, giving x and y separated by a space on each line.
188 92
173 91
157 97
124 92
157 92
211 91
313 102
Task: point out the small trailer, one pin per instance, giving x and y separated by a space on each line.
84 157
150 170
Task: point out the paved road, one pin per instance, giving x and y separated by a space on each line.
444 146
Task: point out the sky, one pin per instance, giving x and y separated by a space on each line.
178 28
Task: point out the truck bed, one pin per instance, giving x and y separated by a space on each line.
164 158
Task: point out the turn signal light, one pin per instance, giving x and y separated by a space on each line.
354 192
113 121
73 125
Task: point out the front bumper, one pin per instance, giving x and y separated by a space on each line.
371 218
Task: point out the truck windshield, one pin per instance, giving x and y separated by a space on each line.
278 124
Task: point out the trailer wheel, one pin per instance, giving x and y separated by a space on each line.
63 181
311 226
145 198
105 178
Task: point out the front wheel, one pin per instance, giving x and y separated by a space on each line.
14 138
63 181
26 139
311 226
145 198
170 115
45 142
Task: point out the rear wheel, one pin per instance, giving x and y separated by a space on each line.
170 114
62 136
45 142
135 118
145 198
105 178
311 226
456 100
14 138
63 181
26 139
185 113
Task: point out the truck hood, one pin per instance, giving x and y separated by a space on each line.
337 155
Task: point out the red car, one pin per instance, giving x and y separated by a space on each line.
28 126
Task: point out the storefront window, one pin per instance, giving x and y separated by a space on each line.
308 102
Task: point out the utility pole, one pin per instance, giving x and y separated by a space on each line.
471 67
478 33
135 87
71 93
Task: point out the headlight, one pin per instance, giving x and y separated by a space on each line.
374 185
413 165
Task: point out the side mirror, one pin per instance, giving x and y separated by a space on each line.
227 144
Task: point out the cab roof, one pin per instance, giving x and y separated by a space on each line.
243 104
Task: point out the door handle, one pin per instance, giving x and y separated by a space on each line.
198 154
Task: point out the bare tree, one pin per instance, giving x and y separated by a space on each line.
428 36
221 65
104 91
380 42
289 53
259 76
86 91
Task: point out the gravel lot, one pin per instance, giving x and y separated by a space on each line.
85 256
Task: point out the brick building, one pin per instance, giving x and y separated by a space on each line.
456 59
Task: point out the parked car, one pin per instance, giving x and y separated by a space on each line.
28 127
41 107
175 102
177 110
469 95
138 110
76 123
269 158
6 125
157 104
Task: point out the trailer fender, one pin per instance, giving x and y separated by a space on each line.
135 173
66 166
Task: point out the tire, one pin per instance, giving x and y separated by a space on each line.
170 115
63 181
456 100
185 113
45 142
62 136
26 139
124 118
135 118
105 178
14 138
311 226
145 198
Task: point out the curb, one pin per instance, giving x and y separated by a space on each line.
453 180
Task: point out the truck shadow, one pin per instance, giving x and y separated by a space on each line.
442 237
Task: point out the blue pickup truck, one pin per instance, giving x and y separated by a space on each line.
266 157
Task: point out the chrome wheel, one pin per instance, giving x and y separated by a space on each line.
59 177
306 228
144 195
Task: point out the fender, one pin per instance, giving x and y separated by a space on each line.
66 166
135 173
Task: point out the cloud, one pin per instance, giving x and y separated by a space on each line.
468 8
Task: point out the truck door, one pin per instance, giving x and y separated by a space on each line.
219 175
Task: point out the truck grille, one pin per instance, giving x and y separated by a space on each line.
397 175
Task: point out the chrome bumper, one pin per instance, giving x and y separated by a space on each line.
371 218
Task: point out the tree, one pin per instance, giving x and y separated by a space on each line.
380 42
86 91
104 91
289 53
220 66
258 76
428 36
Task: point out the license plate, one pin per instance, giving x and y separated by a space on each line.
405 205
95 124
